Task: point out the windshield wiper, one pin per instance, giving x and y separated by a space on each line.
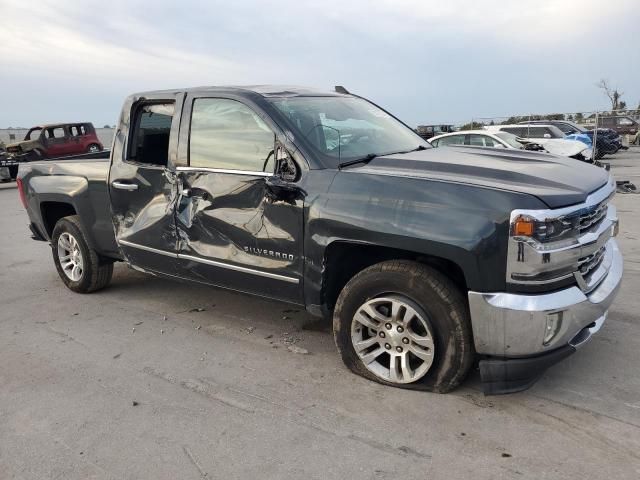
366 159
418 148
370 156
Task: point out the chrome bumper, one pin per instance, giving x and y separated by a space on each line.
514 325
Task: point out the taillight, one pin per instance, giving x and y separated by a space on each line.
23 197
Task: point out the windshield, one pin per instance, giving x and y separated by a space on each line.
509 138
346 128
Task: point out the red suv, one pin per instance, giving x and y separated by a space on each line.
57 140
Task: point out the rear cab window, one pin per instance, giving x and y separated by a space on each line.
149 138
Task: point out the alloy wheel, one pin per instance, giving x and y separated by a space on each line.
70 257
393 338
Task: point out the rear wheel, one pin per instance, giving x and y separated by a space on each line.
93 148
404 324
78 265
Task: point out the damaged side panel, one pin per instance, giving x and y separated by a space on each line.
142 183
235 233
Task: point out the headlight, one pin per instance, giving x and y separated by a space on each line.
526 228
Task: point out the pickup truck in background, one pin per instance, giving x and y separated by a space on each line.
426 259
56 140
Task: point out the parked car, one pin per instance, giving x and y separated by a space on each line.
428 131
56 140
8 168
539 137
607 141
423 257
622 124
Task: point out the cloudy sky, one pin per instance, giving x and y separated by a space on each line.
427 61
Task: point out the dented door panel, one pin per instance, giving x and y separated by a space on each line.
144 214
233 232
143 219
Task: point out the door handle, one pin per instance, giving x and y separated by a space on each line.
124 186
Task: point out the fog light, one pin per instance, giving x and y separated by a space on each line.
554 323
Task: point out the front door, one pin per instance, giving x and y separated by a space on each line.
143 190
233 230
56 141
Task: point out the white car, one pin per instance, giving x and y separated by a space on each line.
500 139
549 137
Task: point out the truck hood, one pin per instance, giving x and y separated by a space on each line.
557 181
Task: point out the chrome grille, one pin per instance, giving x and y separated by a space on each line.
589 263
593 216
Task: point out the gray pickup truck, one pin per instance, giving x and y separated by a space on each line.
427 259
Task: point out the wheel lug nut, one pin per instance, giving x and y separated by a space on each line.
388 325
399 349
382 335
405 340
400 329
387 346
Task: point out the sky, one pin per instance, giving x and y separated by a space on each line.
425 61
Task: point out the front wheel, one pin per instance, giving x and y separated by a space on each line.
77 263
404 324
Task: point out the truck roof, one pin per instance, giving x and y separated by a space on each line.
263 90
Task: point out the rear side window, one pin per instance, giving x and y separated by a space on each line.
452 140
227 134
480 141
56 132
77 130
150 135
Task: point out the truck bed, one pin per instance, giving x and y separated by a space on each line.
79 181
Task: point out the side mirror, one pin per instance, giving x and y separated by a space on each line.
286 168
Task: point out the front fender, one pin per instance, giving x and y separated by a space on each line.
464 224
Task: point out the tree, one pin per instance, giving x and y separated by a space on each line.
614 95
472 126
579 117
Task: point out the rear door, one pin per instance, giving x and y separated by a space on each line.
233 230
76 134
56 139
142 185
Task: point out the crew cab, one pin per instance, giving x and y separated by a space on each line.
56 140
426 259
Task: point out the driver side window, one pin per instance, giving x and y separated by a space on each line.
226 134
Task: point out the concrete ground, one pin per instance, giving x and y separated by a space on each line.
136 382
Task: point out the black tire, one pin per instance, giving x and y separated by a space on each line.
94 148
96 274
444 305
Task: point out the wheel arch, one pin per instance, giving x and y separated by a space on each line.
344 259
52 211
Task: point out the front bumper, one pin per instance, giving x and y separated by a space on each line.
512 329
